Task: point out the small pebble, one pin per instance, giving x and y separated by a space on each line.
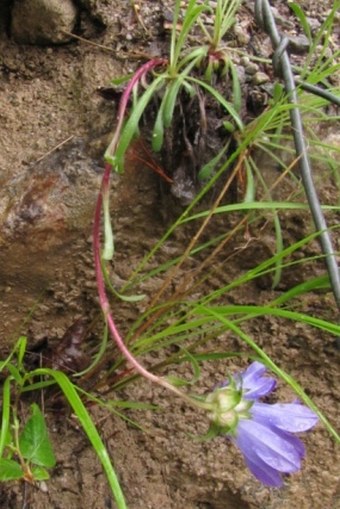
241 35
251 68
259 78
299 44
314 24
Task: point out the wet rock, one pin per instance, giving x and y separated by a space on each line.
53 197
43 21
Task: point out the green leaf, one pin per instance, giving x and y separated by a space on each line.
121 296
10 470
207 170
220 99
249 196
170 100
299 13
21 346
237 93
278 91
4 430
191 14
131 125
229 127
34 443
122 79
85 420
129 298
40 473
177 381
158 129
109 249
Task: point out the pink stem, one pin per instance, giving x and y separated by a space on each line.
145 68
103 300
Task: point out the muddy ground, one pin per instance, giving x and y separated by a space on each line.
49 98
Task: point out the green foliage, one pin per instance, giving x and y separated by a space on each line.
299 13
25 449
185 325
24 453
179 74
34 444
224 18
10 470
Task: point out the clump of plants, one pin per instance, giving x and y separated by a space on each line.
193 74
199 78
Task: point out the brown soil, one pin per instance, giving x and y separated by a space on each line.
48 96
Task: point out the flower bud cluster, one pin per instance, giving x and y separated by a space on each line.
227 406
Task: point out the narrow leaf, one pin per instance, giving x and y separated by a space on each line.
85 420
132 123
4 431
299 13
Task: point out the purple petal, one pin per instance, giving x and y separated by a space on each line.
276 450
292 417
267 475
254 384
293 440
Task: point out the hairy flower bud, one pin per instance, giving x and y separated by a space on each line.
227 407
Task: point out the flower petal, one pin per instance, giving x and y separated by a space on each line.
293 440
292 417
276 450
264 473
254 384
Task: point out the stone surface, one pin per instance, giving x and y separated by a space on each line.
43 21
259 78
299 44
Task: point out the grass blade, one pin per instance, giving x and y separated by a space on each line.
88 426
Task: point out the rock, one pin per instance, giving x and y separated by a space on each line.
299 44
259 78
54 197
100 11
245 61
251 68
314 24
43 21
242 35
281 20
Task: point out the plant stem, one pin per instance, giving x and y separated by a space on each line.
144 69
103 194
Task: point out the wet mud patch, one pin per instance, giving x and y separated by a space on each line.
48 96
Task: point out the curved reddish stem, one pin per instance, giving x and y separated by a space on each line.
104 190
144 69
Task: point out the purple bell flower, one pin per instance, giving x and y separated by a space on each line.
263 432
